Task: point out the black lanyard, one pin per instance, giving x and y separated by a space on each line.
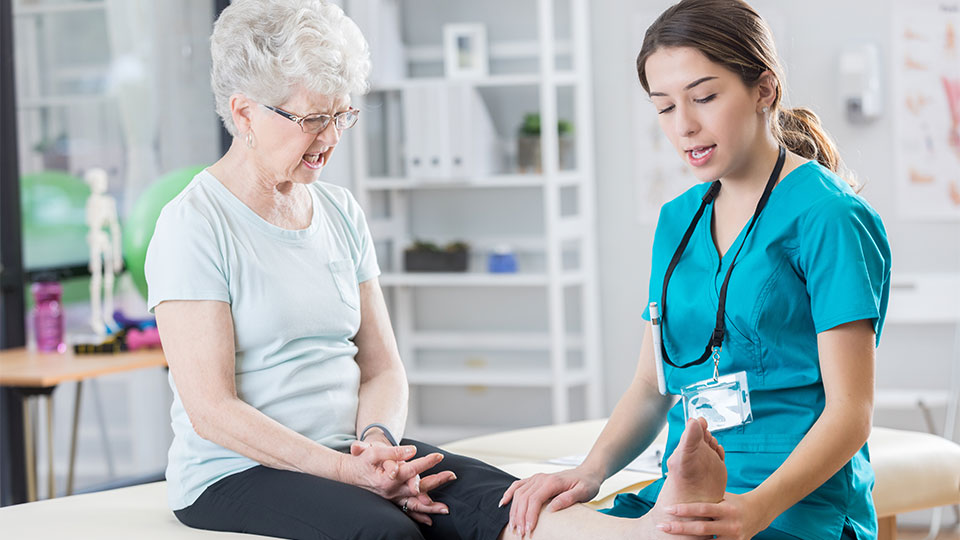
716 340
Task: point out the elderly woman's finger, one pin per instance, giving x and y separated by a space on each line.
395 492
413 484
377 454
432 482
421 518
424 504
400 453
415 467
391 468
358 447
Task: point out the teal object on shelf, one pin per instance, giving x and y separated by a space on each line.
142 219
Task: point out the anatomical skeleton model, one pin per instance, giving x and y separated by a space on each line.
105 258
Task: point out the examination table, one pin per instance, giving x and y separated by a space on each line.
913 470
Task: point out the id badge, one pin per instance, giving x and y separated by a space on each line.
724 402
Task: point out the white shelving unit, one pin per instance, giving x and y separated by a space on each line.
57 98
553 352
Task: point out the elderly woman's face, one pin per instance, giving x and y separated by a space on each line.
284 149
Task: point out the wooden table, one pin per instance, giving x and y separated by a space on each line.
34 375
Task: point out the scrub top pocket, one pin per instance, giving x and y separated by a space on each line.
344 275
756 456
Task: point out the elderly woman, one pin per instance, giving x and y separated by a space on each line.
288 386
264 284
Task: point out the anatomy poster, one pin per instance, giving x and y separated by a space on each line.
926 65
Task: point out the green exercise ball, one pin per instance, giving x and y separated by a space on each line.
142 219
53 214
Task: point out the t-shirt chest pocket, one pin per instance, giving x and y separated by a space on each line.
345 277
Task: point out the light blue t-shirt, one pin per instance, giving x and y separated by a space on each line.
818 257
294 298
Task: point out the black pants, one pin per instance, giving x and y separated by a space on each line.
287 504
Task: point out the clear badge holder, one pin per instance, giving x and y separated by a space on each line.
723 401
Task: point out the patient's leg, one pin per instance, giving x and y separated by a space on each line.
697 474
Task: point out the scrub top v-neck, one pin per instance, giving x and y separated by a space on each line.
817 257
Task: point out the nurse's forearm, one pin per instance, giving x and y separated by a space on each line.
383 399
847 365
636 421
633 426
832 441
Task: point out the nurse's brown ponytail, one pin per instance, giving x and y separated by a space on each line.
731 33
799 130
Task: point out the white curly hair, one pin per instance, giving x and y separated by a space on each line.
264 48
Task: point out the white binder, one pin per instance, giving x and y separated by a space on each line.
448 133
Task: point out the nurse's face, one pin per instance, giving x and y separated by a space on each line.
711 117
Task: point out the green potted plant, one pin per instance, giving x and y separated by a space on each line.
424 256
54 153
528 144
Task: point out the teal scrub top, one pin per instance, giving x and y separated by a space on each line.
818 257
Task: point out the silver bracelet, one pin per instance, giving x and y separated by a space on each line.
381 427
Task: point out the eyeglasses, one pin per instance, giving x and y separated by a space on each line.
316 123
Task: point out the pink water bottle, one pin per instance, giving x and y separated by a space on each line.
48 316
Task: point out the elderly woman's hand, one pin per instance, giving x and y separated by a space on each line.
385 470
420 506
413 492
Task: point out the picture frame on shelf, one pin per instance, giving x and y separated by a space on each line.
465 50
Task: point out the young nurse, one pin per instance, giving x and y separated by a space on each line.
771 277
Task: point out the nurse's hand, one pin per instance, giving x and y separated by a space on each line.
736 517
384 470
530 494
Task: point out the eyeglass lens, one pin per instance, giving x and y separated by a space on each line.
319 122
